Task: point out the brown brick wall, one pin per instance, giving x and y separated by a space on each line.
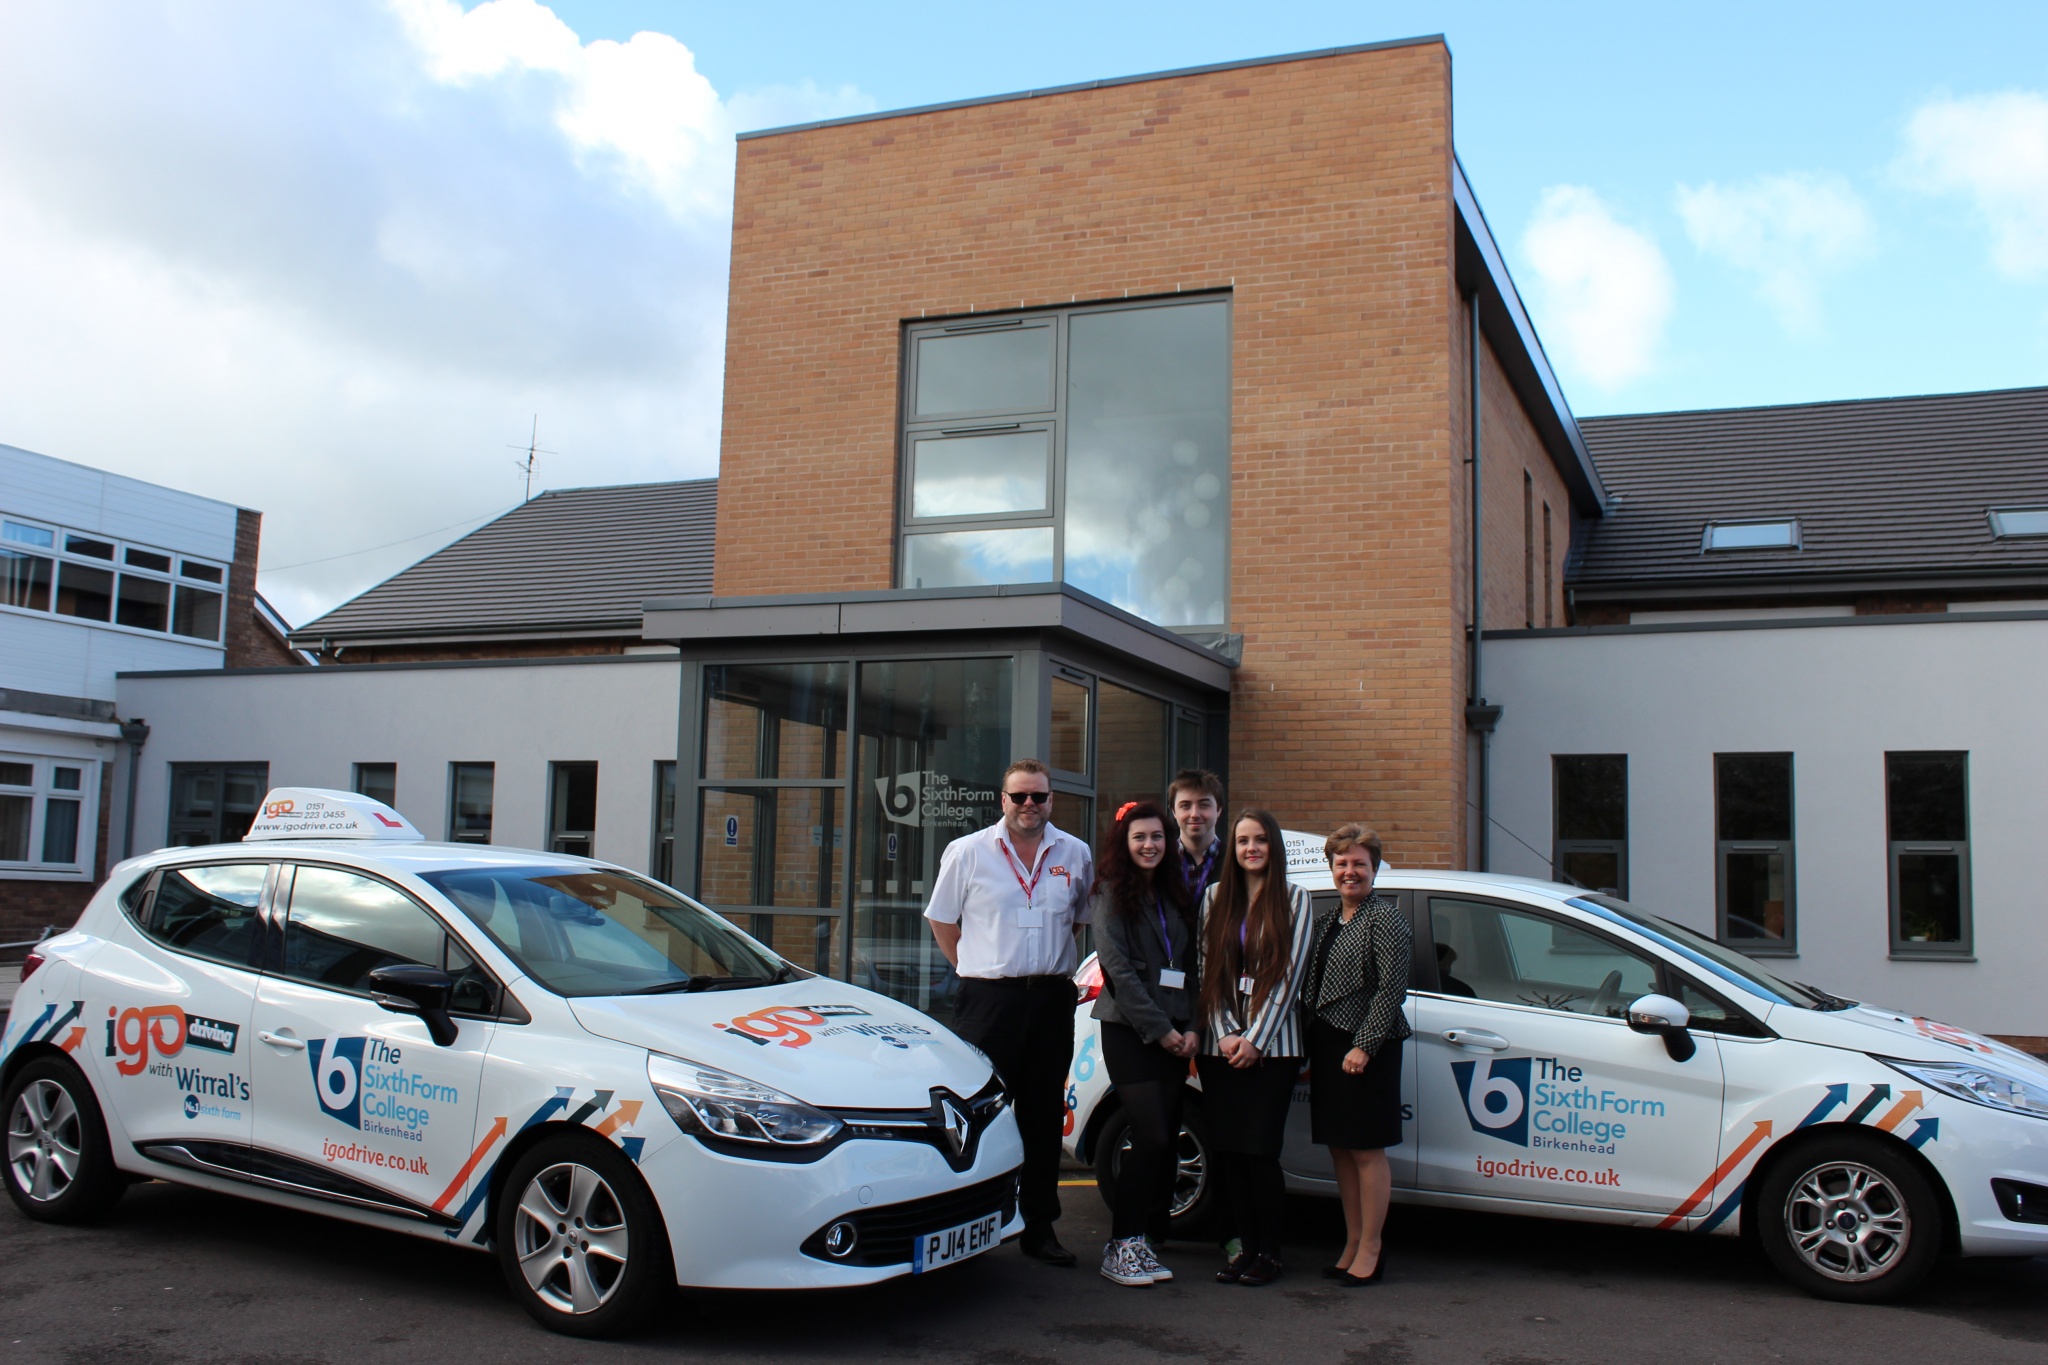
1317 192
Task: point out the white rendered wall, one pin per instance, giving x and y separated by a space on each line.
312 724
87 499
1837 697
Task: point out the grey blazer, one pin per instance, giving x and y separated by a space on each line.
1131 954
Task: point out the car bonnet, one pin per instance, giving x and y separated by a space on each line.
1894 1033
822 1041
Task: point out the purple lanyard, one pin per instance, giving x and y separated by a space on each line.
1165 939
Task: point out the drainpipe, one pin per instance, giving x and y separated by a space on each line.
1479 716
136 732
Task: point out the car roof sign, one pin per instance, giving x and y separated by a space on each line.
318 813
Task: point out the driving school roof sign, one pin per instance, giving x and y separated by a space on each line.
316 813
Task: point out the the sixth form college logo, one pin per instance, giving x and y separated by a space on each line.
1496 1094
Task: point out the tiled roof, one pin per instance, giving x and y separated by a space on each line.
569 560
1889 489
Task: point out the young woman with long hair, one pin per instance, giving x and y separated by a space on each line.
1145 941
1255 941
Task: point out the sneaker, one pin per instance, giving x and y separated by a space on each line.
1150 1260
1123 1263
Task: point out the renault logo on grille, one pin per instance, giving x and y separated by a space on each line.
954 1123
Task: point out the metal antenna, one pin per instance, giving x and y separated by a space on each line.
531 450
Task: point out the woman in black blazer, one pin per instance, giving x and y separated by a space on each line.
1357 983
1145 942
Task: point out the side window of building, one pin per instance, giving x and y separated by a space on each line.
213 911
214 803
43 806
1928 818
109 582
572 808
470 793
378 781
1590 810
665 821
1753 847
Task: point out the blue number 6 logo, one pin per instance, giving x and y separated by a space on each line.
1084 1064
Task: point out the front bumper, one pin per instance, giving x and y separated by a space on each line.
1977 1145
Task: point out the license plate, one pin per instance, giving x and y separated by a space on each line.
971 1238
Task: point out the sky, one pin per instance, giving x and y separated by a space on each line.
334 260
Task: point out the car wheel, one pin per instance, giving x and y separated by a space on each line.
1194 1190
1850 1218
580 1239
59 1167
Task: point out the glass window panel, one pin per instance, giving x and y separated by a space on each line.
1756 894
1753 793
378 781
1005 370
775 720
60 831
145 603
772 846
2020 521
1525 959
935 737
205 573
16 813
210 911
1069 726
1930 897
965 476
197 613
1594 869
148 559
1075 814
17 774
1756 535
28 535
1148 461
470 793
1592 796
1130 752
1927 796
665 821
24 581
343 926
572 808
66 779
86 545
214 803
972 559
85 592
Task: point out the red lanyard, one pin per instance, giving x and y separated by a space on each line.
1030 889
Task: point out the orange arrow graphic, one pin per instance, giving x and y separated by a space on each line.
1896 1115
73 1038
1721 1172
462 1176
622 1117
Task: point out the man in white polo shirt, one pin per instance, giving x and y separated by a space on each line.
1006 909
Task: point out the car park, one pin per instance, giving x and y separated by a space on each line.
546 1057
1576 1057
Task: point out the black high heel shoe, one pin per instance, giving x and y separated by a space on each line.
1379 1271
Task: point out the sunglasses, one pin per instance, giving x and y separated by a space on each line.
1029 798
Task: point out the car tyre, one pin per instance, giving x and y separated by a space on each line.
1195 1184
1850 1217
60 1168
580 1240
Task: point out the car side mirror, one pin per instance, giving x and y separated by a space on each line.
408 988
1661 1015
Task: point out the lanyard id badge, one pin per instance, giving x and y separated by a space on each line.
1172 979
1030 916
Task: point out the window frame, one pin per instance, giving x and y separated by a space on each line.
1054 417
356 772
1964 948
174 578
1560 846
455 835
1788 944
41 790
560 771
145 905
1796 533
173 821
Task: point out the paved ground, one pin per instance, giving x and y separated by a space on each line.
180 1276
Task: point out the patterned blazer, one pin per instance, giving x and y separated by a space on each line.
1364 977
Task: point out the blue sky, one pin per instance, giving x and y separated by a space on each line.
330 259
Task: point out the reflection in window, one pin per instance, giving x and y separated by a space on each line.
1070 726
985 475
214 803
774 846
85 592
775 720
572 808
470 797
970 559
24 580
1008 369
343 926
665 821
1927 814
1591 813
378 781
1519 958
145 603
196 613
1753 832
209 911
1130 752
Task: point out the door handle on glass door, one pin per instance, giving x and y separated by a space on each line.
282 1040
1475 1039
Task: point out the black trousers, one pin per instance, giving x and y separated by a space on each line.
1247 1111
1152 1085
1026 1026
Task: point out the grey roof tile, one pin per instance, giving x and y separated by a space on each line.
569 559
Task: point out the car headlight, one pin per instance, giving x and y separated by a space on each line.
717 1104
1979 1085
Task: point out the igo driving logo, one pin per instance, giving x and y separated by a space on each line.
1496 1093
363 1083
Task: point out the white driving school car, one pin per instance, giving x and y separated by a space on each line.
545 1056
1576 1057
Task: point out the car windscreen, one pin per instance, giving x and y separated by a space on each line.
594 931
1722 961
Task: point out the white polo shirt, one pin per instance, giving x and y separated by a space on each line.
1014 920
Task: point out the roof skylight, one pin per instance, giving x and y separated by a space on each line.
2008 522
1780 534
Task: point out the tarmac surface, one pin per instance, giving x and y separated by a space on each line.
177 1275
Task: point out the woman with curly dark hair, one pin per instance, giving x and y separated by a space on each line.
1145 942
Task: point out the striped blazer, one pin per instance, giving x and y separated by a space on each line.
1364 977
1275 1030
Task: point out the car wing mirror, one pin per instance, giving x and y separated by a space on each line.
408 988
1669 1019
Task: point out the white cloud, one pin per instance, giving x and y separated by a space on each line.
1993 150
1785 230
327 260
1603 290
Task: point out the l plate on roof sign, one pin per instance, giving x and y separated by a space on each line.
317 813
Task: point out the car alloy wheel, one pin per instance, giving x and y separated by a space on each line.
45 1141
1847 1222
571 1238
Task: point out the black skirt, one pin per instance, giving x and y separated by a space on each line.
1133 1061
1360 1112
1246 1109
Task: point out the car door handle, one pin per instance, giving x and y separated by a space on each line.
1475 1039
282 1040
